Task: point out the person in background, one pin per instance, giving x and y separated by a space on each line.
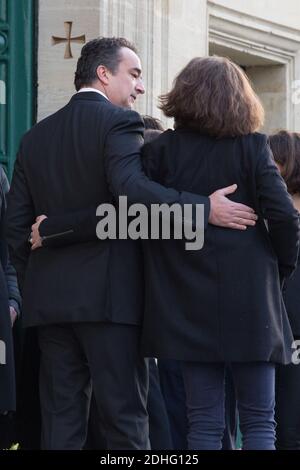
152 123
159 425
286 152
10 302
159 428
222 304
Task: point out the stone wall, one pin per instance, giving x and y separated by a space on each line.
55 73
261 33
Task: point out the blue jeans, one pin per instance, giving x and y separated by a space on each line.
205 391
172 387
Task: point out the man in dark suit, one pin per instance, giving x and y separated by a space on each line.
85 297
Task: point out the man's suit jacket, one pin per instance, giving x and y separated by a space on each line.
78 158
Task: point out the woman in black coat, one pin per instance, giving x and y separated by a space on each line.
286 151
9 309
221 304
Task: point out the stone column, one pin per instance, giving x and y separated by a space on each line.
145 23
295 93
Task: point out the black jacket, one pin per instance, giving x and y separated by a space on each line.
291 297
75 159
222 303
14 296
9 296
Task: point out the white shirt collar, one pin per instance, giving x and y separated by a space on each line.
92 89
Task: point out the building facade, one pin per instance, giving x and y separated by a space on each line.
41 40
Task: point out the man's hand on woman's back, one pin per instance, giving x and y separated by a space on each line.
226 213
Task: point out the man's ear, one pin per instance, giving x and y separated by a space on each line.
103 74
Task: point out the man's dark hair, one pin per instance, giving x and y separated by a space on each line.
151 134
151 122
100 51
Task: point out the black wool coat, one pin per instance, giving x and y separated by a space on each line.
9 295
223 302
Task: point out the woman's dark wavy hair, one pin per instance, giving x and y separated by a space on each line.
100 51
285 146
213 95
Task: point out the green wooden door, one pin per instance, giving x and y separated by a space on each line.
17 84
